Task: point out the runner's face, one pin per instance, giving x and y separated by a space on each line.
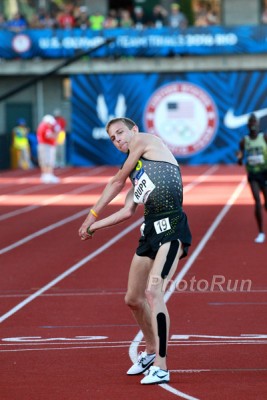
253 127
121 135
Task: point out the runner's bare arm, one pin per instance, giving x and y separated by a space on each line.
122 215
116 184
240 153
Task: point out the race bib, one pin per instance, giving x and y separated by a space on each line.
143 186
162 225
255 159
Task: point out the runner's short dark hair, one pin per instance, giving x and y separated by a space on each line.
127 121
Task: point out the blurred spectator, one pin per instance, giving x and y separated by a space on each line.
139 18
3 22
61 139
81 17
32 138
200 13
96 21
112 20
47 133
264 13
73 14
159 16
46 19
18 23
204 14
66 18
35 22
176 18
212 17
20 145
125 20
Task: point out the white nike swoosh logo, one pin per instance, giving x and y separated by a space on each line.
232 121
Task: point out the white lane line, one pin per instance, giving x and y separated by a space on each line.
240 337
58 198
75 267
33 347
53 199
43 231
200 179
208 234
65 348
83 261
37 187
101 294
49 227
190 371
177 392
31 189
133 350
126 343
63 342
49 201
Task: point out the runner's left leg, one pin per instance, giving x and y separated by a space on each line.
136 298
165 261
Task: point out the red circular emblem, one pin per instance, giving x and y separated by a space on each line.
183 115
21 43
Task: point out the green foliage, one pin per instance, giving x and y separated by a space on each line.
186 8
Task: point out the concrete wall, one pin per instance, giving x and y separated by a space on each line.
241 12
100 6
44 97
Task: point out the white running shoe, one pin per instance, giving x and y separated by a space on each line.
143 363
54 179
156 375
260 238
45 178
49 178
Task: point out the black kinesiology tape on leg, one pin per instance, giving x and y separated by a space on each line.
162 334
170 258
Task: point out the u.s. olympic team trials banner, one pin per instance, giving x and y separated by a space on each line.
151 42
200 116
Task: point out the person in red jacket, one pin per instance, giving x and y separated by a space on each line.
47 133
61 139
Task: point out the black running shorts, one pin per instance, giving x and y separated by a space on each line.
260 177
164 228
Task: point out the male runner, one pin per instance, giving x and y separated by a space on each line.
254 148
165 238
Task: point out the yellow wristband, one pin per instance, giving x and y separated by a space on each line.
94 213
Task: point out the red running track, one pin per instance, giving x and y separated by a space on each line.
65 331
